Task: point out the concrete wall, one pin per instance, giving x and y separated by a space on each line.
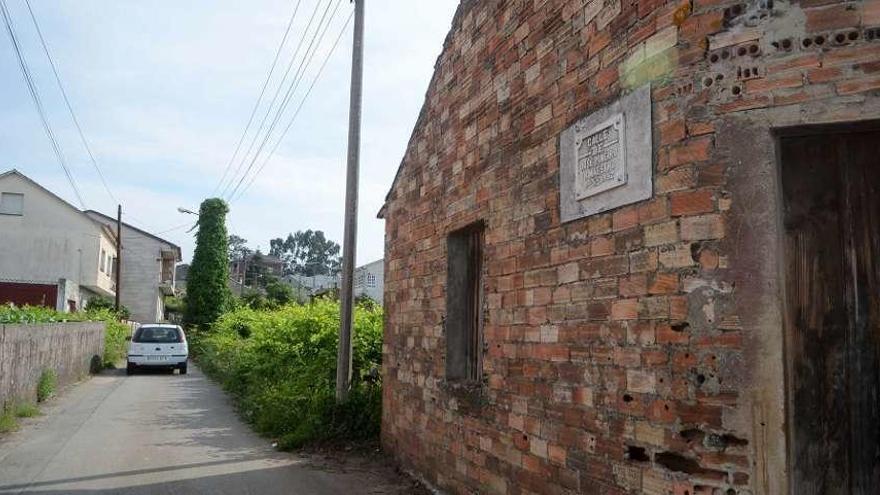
51 240
27 350
141 277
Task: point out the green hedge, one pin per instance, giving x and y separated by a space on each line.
280 366
114 336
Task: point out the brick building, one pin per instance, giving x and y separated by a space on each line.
629 250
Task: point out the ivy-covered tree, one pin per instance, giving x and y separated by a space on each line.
207 289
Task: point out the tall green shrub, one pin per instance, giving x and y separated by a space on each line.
207 292
280 367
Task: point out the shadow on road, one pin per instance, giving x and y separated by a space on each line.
121 474
267 480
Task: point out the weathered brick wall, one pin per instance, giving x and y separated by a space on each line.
635 351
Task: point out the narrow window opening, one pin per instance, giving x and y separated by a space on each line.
463 303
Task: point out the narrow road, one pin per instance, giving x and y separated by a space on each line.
161 434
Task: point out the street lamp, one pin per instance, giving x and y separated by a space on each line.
184 210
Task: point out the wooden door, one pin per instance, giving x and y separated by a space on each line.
831 191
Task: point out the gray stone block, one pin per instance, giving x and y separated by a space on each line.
606 158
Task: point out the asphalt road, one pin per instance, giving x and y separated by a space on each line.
161 434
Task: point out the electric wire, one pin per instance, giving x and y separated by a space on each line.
29 82
299 108
301 71
274 99
259 99
303 66
79 130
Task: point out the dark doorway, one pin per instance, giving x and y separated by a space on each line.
831 191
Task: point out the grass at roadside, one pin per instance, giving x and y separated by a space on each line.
280 367
26 410
47 385
7 421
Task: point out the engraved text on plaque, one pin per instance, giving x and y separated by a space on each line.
601 160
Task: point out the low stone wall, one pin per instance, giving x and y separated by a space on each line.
71 349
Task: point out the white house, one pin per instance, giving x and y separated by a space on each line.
369 280
51 253
148 270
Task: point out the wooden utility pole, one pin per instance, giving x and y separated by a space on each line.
118 266
349 245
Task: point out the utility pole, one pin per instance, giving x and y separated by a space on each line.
118 255
343 357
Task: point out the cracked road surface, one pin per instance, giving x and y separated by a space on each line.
164 434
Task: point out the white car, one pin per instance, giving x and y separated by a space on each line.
158 346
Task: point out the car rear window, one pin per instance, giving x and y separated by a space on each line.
157 335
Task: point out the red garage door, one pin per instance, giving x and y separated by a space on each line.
28 294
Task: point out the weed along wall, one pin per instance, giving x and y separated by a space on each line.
71 350
586 258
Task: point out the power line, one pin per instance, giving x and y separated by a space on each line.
259 99
274 98
304 64
172 229
79 130
296 113
292 89
28 77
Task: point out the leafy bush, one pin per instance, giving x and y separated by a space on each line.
115 343
280 366
47 385
36 314
100 304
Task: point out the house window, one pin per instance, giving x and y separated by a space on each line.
371 280
463 303
103 261
11 204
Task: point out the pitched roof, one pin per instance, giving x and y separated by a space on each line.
175 247
15 172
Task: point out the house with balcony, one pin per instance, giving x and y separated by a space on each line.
148 270
51 253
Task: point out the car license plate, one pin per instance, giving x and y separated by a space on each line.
157 358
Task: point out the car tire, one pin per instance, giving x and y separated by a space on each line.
129 369
182 369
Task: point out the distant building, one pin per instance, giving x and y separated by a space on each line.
181 275
148 270
369 280
259 262
51 253
307 287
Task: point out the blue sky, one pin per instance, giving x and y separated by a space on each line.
163 90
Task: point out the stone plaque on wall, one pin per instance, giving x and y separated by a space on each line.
606 158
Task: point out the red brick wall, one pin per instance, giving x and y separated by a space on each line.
616 357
